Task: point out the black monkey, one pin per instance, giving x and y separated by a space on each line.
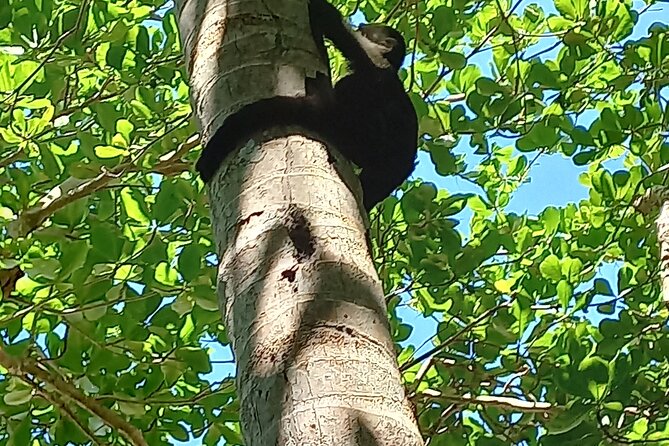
368 117
377 127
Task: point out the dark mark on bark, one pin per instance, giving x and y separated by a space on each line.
248 219
289 274
300 234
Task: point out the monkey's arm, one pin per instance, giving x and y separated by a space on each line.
356 48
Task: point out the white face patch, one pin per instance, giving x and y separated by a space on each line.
374 50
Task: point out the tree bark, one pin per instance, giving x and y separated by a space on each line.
301 300
656 198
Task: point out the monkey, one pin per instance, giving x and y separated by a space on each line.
367 116
377 127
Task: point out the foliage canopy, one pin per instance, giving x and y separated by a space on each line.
101 211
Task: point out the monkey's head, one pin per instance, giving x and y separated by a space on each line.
389 39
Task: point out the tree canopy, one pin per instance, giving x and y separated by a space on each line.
549 328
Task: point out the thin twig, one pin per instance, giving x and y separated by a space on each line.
459 333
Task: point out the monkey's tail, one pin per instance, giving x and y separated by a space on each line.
251 120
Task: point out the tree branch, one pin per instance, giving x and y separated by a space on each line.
23 368
73 189
501 402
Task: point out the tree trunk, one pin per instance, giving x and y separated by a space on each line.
656 198
301 300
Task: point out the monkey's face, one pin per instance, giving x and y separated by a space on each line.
389 39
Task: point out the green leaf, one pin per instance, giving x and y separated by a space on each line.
454 61
125 128
95 312
142 43
115 56
487 87
110 152
504 285
606 309
196 358
5 14
603 287
571 269
190 261
165 274
18 397
19 432
73 257
564 293
550 268
551 219
572 9
444 161
177 431
106 242
134 206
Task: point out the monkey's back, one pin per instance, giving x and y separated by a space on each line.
377 129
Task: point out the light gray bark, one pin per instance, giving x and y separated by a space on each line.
238 52
656 198
663 238
301 300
